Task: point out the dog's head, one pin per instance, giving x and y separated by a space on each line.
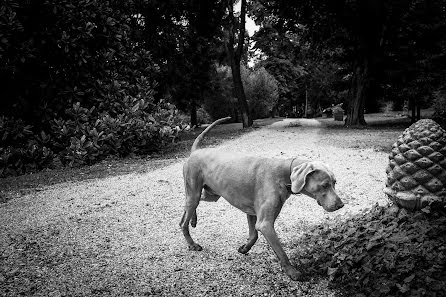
316 180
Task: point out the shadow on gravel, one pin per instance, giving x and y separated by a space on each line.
379 135
11 187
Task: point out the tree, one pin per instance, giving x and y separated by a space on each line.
261 90
415 52
56 53
235 56
352 28
278 52
185 38
369 35
219 100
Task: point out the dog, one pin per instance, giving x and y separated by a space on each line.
257 186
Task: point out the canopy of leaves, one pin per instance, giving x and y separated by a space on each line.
185 38
55 53
303 72
261 90
401 44
220 101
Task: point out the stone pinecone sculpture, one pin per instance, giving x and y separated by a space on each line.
416 175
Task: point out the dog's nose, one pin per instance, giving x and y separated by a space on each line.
339 204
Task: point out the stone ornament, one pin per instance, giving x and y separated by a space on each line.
416 174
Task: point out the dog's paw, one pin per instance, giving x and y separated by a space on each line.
293 273
195 247
243 249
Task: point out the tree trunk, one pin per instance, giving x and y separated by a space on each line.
358 92
240 94
364 80
235 58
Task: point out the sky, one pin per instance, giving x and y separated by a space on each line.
251 27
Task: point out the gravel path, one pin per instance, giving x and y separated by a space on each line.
119 236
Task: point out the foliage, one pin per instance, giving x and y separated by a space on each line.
390 49
86 136
381 252
234 44
185 38
303 72
261 89
79 85
220 102
439 105
21 151
55 53
203 117
277 48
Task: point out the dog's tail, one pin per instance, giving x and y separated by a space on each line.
202 134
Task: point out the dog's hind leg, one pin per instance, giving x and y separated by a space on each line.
253 235
193 193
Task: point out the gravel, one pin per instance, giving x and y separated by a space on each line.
119 236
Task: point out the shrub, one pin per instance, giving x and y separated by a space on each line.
381 252
135 127
203 117
56 53
78 75
261 89
20 150
86 136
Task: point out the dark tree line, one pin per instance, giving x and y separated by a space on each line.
84 79
387 49
54 53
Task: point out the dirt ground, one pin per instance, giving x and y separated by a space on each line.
116 233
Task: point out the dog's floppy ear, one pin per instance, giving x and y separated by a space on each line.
299 176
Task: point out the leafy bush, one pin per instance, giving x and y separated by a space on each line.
86 136
439 105
79 77
203 117
261 89
56 53
21 151
382 252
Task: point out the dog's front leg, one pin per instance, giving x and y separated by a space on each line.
267 229
265 223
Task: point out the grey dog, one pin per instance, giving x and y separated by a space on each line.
257 186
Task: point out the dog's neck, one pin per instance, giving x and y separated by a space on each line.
294 162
